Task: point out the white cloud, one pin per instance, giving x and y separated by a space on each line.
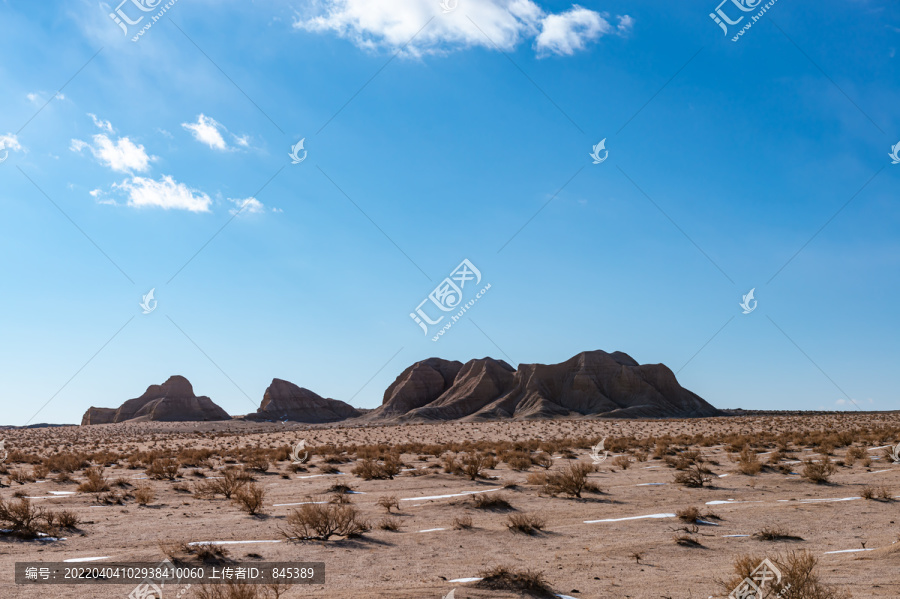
9 142
33 98
248 206
494 24
568 32
165 193
206 131
101 124
123 155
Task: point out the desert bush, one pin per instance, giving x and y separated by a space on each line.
389 523
463 522
517 460
258 462
370 469
491 501
799 577
318 521
748 462
66 462
40 472
694 477
452 465
20 476
250 498
389 502
209 553
144 494
572 480
502 578
474 463
163 469
622 461
688 514
684 460
66 519
96 481
21 519
528 524
776 533
232 480
818 472
687 540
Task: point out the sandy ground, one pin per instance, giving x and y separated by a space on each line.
579 559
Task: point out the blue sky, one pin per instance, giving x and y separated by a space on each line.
432 137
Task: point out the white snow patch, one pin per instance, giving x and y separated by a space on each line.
229 542
446 496
85 559
630 518
432 529
734 536
301 503
849 551
465 580
650 484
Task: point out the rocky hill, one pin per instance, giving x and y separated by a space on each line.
173 401
594 383
285 401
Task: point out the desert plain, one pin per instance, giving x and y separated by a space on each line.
818 485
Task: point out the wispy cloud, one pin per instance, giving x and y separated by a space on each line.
165 193
209 131
101 124
121 155
247 206
505 22
9 142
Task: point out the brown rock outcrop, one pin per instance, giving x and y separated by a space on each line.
98 416
173 401
594 383
284 400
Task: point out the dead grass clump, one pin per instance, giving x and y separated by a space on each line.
21 519
686 540
491 501
517 460
694 477
748 462
389 502
622 461
688 514
799 578
250 498
163 469
463 522
232 480
474 464
370 469
95 481
208 553
144 494
528 524
776 533
572 480
20 476
389 523
818 472
503 578
323 521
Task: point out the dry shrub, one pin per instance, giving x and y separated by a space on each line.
240 589
66 462
144 494
463 522
622 461
491 501
258 462
688 514
818 472
451 465
66 519
686 540
517 460
572 480
21 519
389 523
503 578
209 553
250 498
163 469
389 502
473 464
776 533
232 480
528 524
370 469
748 462
40 472
799 577
694 477
318 521
96 481
20 476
